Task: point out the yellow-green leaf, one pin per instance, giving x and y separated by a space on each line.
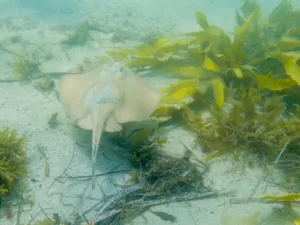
144 50
239 40
297 222
209 64
238 72
164 112
180 85
291 64
165 52
218 92
274 84
283 198
162 42
202 20
288 43
249 7
182 96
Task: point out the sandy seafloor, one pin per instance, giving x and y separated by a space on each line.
26 109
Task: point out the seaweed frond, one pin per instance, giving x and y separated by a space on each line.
12 159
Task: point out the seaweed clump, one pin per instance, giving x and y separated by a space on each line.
24 68
45 84
169 175
52 120
251 122
278 32
79 37
12 159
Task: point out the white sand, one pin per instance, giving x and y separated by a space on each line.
27 110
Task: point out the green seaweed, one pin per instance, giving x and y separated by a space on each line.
143 144
79 37
53 121
24 68
166 174
26 65
12 159
252 124
45 84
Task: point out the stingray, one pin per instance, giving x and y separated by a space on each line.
104 100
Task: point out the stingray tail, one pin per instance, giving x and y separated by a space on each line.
97 131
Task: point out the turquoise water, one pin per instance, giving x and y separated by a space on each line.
52 55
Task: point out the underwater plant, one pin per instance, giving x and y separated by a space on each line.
12 159
24 68
166 174
26 65
142 144
79 37
209 60
266 36
52 120
252 122
45 84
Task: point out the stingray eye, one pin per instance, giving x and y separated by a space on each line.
122 69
